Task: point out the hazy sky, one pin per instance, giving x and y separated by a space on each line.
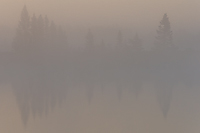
119 13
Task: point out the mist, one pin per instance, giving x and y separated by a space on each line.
99 66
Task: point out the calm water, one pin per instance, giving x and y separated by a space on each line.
105 112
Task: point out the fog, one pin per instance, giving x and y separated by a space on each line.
127 13
99 66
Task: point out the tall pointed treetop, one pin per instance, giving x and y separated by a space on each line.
22 38
164 34
25 19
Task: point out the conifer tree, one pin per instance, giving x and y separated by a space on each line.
61 34
46 23
61 38
89 40
41 28
22 38
119 40
46 29
34 28
136 43
164 39
53 30
164 65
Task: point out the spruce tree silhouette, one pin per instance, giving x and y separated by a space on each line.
89 40
119 40
22 38
136 43
164 65
37 84
164 39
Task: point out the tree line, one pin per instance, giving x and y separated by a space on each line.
126 65
34 33
38 35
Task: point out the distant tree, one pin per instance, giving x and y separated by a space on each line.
164 38
34 28
102 45
136 43
53 29
37 35
34 36
46 23
22 37
89 40
41 28
164 65
62 38
52 32
61 34
37 30
119 40
46 29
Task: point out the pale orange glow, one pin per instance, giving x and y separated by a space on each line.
105 12
45 65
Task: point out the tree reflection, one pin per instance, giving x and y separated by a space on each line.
41 74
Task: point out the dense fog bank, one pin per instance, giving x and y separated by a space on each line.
43 63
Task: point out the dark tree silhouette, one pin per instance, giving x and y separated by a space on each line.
41 28
33 78
34 29
164 39
46 21
119 40
89 40
22 38
164 65
136 43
